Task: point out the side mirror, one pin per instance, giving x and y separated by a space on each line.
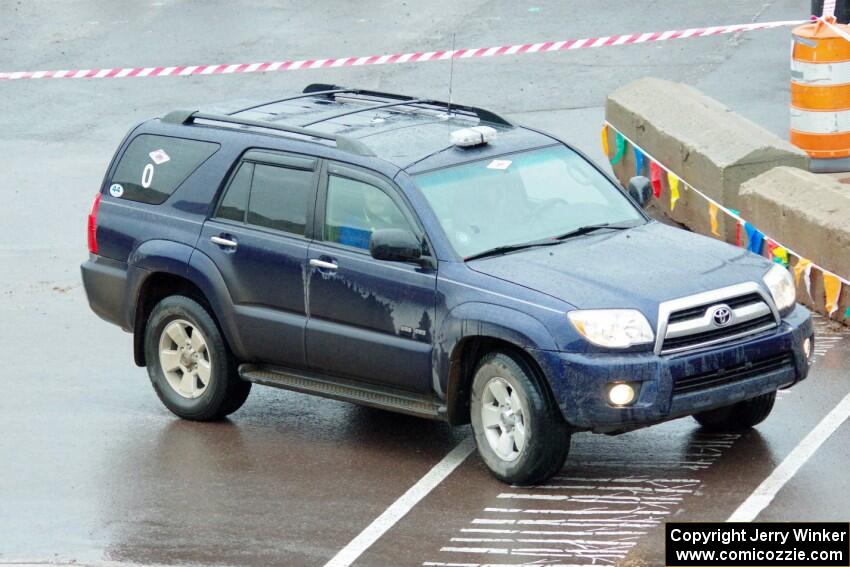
640 188
395 244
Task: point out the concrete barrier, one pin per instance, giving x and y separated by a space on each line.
705 143
743 167
811 214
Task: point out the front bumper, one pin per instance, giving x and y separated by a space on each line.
579 381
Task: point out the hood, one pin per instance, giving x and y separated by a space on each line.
636 268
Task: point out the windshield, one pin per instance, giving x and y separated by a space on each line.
522 197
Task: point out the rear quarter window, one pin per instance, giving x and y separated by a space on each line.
153 167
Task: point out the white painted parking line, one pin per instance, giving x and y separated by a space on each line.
767 490
398 509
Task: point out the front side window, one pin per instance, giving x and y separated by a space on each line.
153 167
521 198
279 198
355 210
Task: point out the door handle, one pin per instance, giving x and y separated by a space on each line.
226 242
322 265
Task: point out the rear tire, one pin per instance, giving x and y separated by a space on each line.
739 416
520 434
189 364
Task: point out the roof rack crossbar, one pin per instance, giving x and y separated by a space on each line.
364 109
329 91
342 142
481 113
259 124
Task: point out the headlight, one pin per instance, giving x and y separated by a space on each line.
612 328
781 285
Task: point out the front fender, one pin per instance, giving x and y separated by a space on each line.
486 320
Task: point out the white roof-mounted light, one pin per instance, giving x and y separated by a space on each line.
475 136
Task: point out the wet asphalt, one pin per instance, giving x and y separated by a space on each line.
93 470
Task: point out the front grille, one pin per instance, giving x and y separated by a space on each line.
694 312
689 324
695 340
723 376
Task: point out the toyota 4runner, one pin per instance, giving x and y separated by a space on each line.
432 259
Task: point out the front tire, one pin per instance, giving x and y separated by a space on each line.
520 435
738 417
189 364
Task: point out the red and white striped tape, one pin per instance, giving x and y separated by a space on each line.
828 8
419 57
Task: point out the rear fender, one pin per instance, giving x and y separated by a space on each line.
168 257
203 272
164 256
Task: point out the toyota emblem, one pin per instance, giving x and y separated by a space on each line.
722 315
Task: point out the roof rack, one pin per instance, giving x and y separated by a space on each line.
403 100
320 89
365 109
342 142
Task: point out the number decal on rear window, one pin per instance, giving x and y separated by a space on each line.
147 176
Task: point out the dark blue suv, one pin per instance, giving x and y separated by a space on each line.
431 259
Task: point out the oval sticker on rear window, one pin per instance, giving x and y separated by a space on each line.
116 190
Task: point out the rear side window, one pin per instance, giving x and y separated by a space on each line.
235 201
152 167
280 198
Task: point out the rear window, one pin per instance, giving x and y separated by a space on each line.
152 167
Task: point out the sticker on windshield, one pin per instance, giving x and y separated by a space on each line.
159 156
116 190
499 164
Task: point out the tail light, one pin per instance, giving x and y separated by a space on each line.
93 225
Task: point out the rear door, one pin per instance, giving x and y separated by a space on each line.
369 320
258 238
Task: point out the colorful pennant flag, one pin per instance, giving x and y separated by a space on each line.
605 139
755 238
712 214
832 291
620 141
780 255
771 246
804 267
655 178
673 182
638 161
757 241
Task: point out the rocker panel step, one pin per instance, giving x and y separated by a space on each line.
344 390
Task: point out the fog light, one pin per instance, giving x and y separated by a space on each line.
807 348
621 394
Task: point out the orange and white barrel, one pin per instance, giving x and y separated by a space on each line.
820 94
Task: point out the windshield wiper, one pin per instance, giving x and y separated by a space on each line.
499 250
592 227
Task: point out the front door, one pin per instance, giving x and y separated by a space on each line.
369 320
258 239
